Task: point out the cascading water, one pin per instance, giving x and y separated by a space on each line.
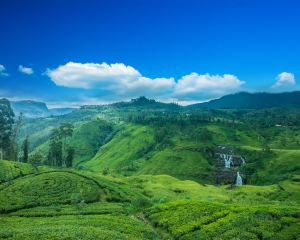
239 180
228 166
227 160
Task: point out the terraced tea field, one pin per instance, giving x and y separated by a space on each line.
52 204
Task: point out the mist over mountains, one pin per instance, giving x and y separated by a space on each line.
34 109
241 100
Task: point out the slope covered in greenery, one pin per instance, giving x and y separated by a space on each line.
86 140
10 170
84 205
148 170
137 150
202 220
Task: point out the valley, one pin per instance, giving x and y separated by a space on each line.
149 170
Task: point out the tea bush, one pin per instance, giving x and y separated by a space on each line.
203 220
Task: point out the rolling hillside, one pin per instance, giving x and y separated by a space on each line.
148 170
119 139
85 205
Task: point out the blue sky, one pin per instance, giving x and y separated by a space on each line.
69 53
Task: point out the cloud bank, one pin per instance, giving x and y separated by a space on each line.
25 70
117 78
285 79
125 81
208 85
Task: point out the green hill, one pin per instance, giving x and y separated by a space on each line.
136 150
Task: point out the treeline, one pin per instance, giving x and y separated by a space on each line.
167 118
60 153
289 117
264 118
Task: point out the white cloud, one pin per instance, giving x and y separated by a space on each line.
208 85
25 70
285 79
121 80
117 78
3 71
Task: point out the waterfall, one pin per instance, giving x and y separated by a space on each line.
227 160
239 180
243 160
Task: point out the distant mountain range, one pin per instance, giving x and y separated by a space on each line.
33 109
242 100
245 100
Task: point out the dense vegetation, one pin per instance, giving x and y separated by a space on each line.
149 170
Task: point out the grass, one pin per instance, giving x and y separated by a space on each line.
123 151
164 188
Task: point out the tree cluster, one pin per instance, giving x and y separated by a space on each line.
6 130
61 154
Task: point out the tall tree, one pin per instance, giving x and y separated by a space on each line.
6 126
13 151
60 154
55 149
66 131
70 157
25 149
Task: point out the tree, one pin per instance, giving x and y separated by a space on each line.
59 153
36 158
66 130
25 149
6 126
69 157
55 149
202 135
13 150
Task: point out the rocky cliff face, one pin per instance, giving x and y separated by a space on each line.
228 164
